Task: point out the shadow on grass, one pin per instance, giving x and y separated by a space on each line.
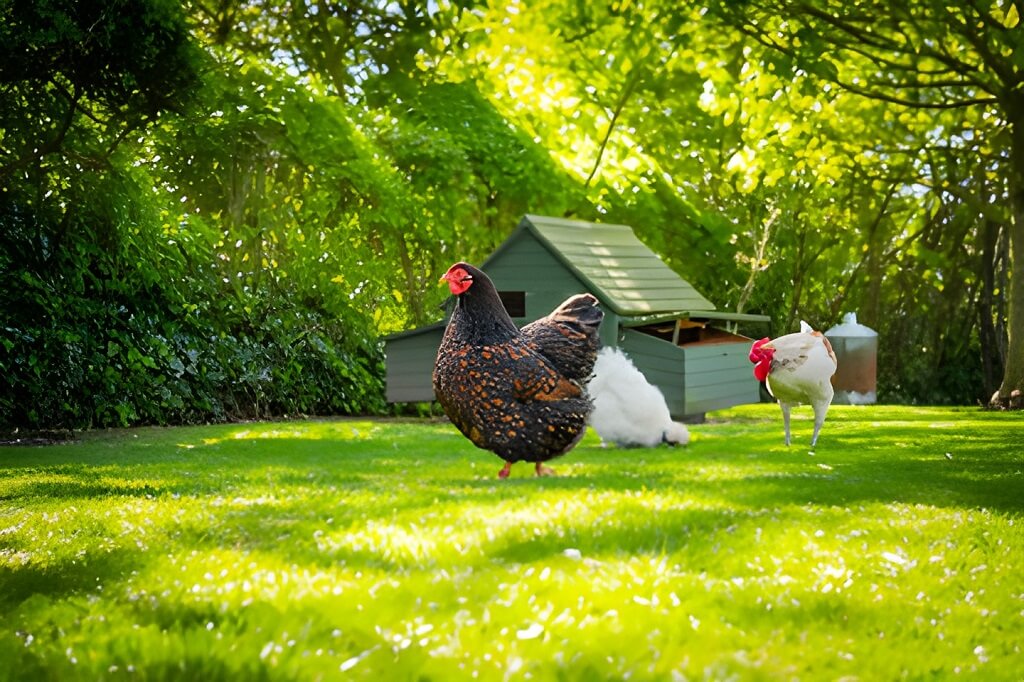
995 482
399 480
74 576
911 466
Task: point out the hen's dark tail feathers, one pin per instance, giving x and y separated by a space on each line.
581 310
568 336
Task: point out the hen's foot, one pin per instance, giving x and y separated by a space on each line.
505 471
544 471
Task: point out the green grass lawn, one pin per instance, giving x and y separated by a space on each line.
388 550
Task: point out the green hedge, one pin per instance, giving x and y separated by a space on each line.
106 322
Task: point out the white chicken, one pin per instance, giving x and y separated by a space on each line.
797 368
628 410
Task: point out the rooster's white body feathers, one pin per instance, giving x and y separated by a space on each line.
802 365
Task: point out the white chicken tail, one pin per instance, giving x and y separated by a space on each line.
676 434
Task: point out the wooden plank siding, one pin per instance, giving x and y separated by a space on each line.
527 265
694 379
718 375
409 365
661 363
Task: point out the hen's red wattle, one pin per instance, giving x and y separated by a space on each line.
518 393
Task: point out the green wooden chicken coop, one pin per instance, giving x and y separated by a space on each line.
674 335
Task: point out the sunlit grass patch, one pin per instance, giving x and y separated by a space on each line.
307 430
360 548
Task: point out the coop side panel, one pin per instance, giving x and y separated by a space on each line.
718 376
409 363
662 363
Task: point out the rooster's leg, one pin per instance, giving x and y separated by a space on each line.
506 470
543 470
819 418
785 417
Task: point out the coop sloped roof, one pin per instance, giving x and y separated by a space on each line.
620 270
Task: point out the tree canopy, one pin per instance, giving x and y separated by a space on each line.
217 208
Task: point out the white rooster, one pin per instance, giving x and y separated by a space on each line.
628 410
797 368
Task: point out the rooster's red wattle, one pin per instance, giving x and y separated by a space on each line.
797 368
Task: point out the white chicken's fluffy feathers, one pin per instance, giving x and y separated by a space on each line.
629 410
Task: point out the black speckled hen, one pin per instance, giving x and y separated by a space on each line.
520 393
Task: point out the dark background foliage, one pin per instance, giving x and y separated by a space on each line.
212 211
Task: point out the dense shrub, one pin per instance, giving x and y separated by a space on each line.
120 325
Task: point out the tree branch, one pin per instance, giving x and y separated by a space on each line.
844 291
755 264
627 91
865 37
50 145
75 102
940 53
913 104
892 64
858 34
877 92
1000 67
986 17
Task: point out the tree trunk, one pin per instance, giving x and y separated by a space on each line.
1011 392
988 310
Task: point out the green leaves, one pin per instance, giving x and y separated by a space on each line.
234 215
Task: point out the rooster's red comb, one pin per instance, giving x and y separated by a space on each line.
756 354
